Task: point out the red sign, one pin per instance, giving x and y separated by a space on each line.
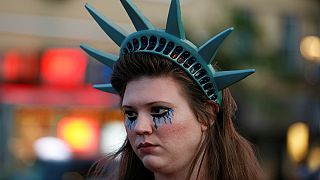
20 67
63 67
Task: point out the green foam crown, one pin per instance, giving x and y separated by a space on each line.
170 43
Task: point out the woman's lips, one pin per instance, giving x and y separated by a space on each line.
146 148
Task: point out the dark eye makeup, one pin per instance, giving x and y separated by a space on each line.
156 111
130 115
159 111
158 114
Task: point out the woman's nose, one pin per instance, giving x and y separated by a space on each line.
143 125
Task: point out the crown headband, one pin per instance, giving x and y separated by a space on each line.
169 43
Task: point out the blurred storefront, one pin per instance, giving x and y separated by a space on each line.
51 116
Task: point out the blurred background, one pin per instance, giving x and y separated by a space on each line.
53 125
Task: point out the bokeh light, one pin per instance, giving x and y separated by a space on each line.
314 159
298 141
80 133
52 149
310 48
64 67
112 137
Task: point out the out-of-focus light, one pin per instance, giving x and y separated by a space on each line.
113 136
81 134
52 149
19 67
310 48
298 141
314 159
12 65
63 67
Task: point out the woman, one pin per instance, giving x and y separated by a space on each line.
178 111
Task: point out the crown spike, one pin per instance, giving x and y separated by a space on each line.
174 23
209 49
115 32
106 88
104 58
139 21
224 79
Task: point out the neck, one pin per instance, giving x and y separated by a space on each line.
198 172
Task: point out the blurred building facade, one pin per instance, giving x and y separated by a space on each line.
38 95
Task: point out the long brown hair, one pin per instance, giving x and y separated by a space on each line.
227 154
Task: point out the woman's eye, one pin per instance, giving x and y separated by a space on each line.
131 115
159 111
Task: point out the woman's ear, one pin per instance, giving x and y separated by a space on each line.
212 110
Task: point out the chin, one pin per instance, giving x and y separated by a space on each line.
152 163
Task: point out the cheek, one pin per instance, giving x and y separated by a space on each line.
131 136
184 133
184 124
171 130
180 143
180 133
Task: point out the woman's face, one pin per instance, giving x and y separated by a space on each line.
162 129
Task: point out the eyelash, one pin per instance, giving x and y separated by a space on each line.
159 111
156 112
130 117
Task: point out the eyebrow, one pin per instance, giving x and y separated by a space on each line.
148 104
126 106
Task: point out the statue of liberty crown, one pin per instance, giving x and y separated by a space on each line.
170 43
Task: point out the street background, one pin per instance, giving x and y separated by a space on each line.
54 125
